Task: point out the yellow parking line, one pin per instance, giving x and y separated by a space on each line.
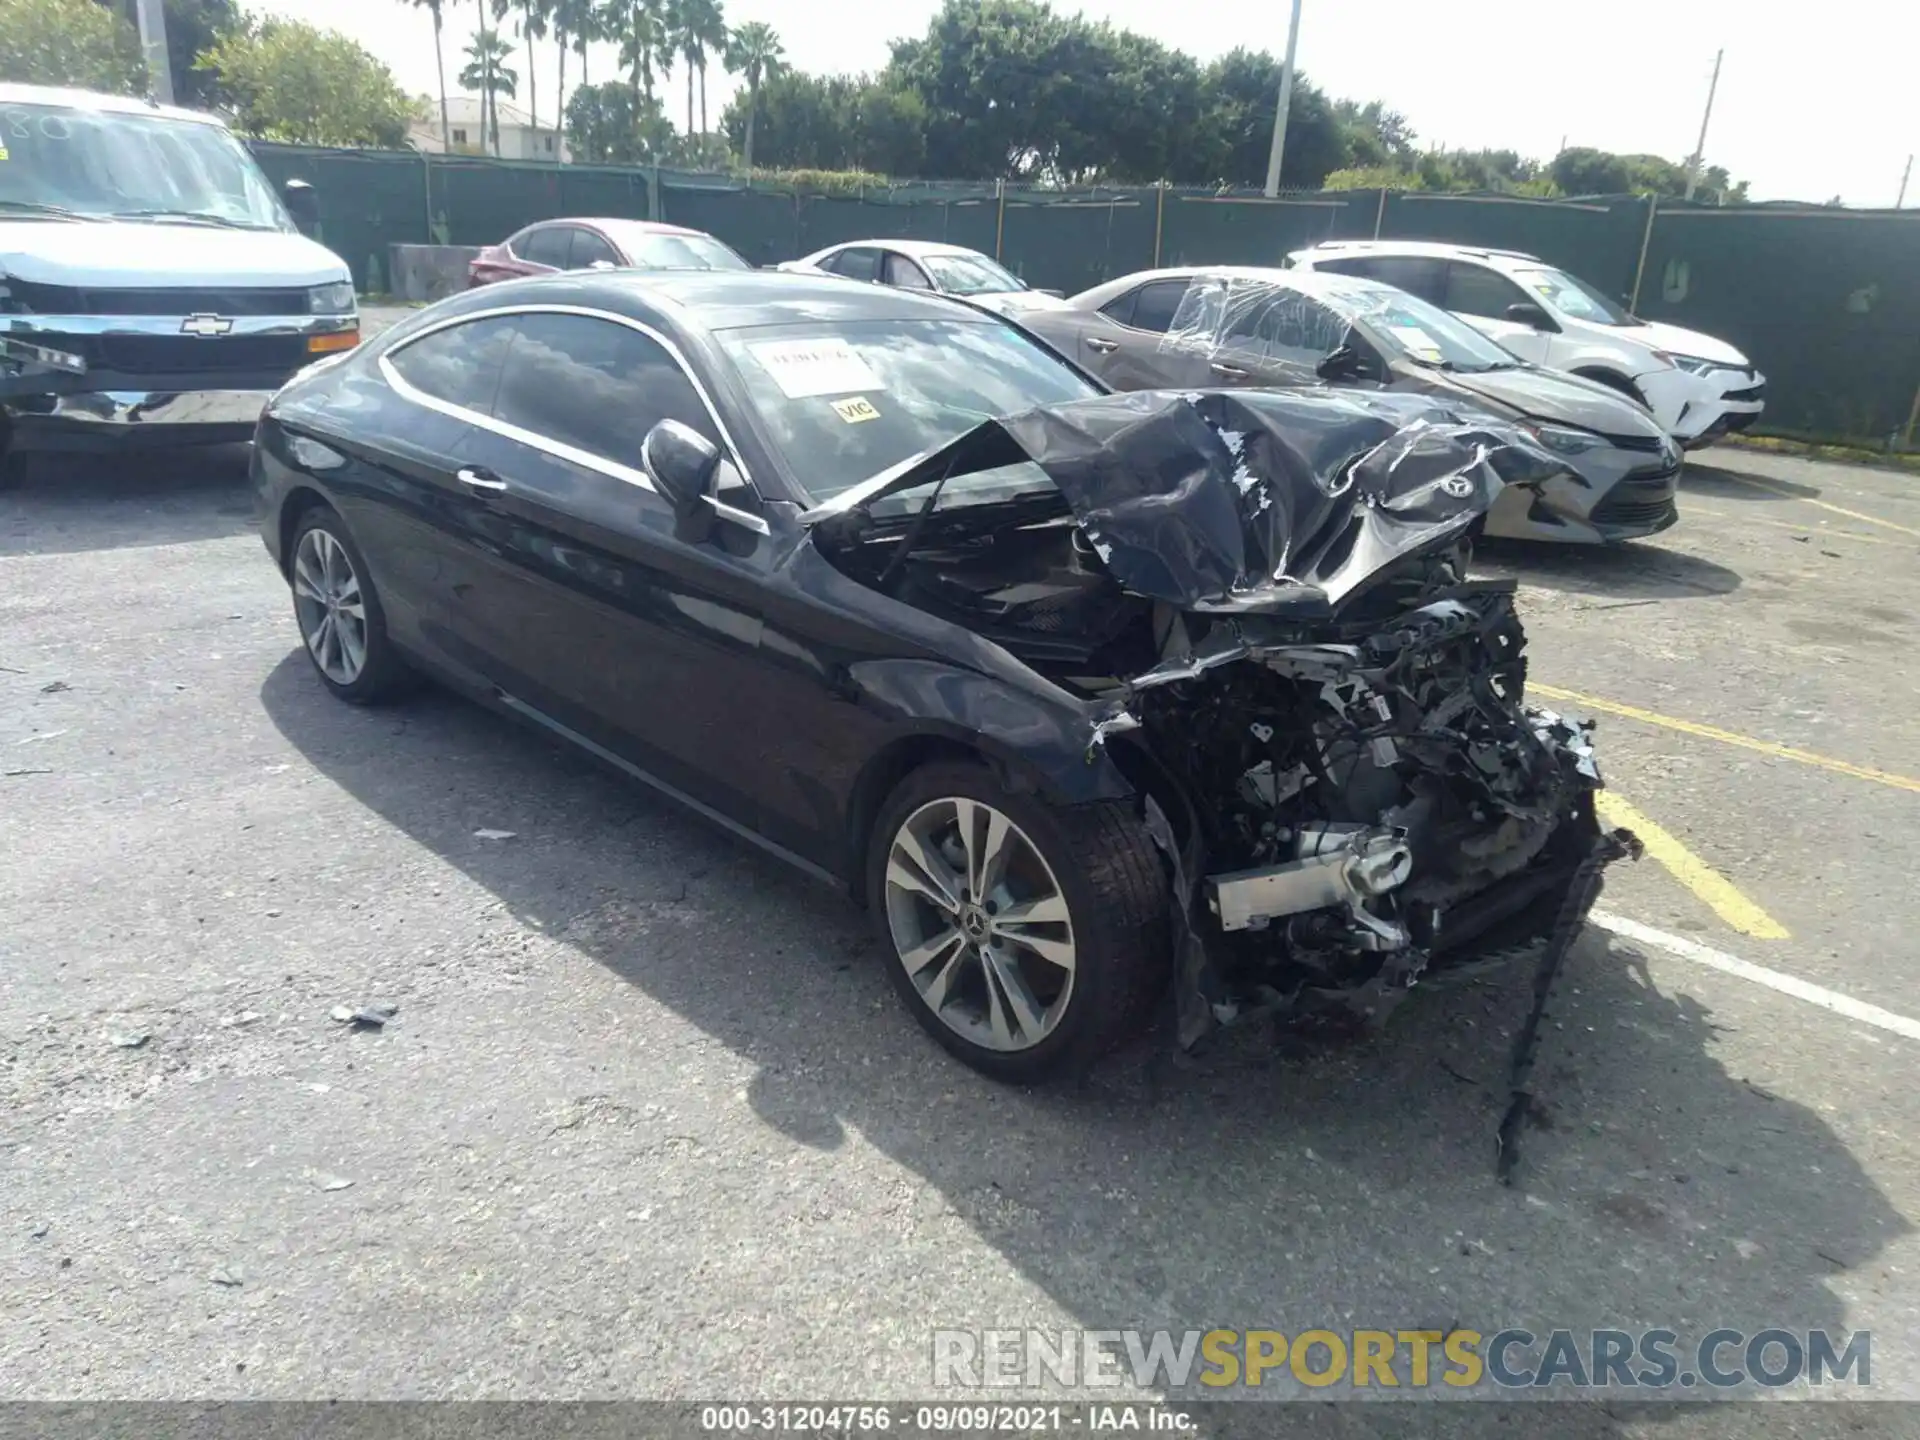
1803 531
1691 871
1773 489
1727 737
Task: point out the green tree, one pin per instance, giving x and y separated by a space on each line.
436 8
605 127
193 25
642 34
69 42
840 122
488 73
530 21
290 81
755 54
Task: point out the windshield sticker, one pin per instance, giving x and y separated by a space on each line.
855 409
805 368
3 153
1416 341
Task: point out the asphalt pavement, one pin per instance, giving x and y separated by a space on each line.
647 1120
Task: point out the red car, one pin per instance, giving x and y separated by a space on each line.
552 245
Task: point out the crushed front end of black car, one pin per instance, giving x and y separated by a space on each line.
1263 599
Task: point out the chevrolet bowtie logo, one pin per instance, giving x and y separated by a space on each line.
205 325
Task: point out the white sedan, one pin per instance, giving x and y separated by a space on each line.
928 265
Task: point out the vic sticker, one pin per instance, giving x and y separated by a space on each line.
855 409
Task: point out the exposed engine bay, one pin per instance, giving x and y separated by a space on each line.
1340 768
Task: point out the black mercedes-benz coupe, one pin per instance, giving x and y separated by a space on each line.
1097 701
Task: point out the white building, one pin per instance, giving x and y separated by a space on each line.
520 137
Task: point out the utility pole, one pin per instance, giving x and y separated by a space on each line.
1286 101
1700 150
1904 176
152 21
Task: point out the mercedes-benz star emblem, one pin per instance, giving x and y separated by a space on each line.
205 325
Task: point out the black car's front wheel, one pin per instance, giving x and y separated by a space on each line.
1027 940
339 614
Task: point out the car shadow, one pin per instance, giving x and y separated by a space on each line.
1724 479
68 504
1635 570
1270 1182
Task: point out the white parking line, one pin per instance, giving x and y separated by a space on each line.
1759 974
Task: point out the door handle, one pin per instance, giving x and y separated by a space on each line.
1231 372
1101 347
482 480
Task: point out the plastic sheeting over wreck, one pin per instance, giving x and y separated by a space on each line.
1249 500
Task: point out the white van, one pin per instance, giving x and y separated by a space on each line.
154 289
1698 387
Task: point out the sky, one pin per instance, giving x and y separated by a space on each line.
1813 101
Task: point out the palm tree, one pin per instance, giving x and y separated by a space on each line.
683 41
708 23
487 72
641 27
755 54
439 64
532 26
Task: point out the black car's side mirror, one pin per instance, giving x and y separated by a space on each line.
1525 312
301 202
1341 363
682 463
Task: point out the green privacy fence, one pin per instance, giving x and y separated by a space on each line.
1825 301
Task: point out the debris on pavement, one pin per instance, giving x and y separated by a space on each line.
245 1017
55 687
227 1275
13 774
39 1230
365 1017
129 1039
493 834
42 735
324 1180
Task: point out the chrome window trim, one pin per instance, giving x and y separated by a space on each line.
560 449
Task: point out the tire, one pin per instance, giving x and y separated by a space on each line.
1106 879
321 540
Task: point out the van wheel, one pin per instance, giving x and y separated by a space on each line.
1027 940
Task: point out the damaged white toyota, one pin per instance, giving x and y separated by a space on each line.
1171 702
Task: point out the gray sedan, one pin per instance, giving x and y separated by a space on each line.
1287 329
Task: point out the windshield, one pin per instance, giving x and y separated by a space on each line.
842 402
1573 297
100 163
650 250
969 275
1425 333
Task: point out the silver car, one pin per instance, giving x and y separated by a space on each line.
1207 328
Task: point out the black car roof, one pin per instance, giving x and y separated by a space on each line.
708 300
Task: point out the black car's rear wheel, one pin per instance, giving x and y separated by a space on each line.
338 610
1027 940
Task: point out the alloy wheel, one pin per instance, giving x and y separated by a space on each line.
330 606
980 923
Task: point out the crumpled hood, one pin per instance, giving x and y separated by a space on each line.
1561 399
1243 500
105 254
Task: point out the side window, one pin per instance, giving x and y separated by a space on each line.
1120 308
908 276
1476 290
1416 274
1355 265
459 365
595 385
545 246
1289 327
1155 304
859 263
590 249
